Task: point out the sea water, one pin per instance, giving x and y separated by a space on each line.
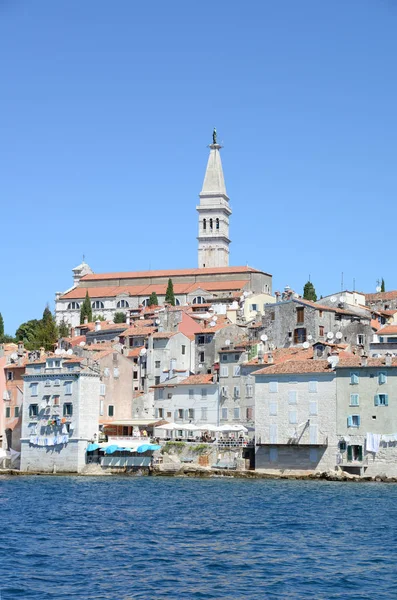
158 538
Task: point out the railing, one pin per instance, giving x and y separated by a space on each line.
343 461
321 441
235 443
124 438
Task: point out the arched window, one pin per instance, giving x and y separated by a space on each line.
210 223
122 304
198 300
204 223
73 306
98 304
145 302
177 302
217 223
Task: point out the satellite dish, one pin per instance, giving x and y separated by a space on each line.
339 335
212 324
342 299
142 317
330 335
157 321
264 337
242 298
306 345
378 288
63 351
309 337
69 352
245 294
58 351
227 342
333 299
117 339
214 318
329 359
82 343
14 356
143 352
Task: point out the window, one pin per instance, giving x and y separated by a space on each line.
382 378
177 302
190 413
204 224
180 413
273 386
183 349
353 421
101 407
249 413
273 408
223 357
355 453
198 300
254 307
156 379
236 391
292 417
313 455
98 304
313 407
8 412
57 364
236 371
272 316
57 382
135 375
33 389
161 413
354 378
292 397
16 411
201 357
300 314
224 414
203 393
55 400
33 410
224 371
122 304
203 413
160 394
300 335
273 454
342 446
360 339
73 306
211 223
201 339
106 372
354 400
67 409
102 390
217 223
273 434
381 400
110 410
248 390
321 331
10 375
168 415
312 387
236 413
191 394
68 387
236 357
320 314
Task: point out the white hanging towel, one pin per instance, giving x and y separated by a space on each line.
370 444
376 437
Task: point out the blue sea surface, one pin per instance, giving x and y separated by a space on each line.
122 538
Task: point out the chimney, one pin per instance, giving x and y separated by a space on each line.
172 368
270 360
21 349
388 360
97 326
128 320
85 320
364 360
260 356
42 352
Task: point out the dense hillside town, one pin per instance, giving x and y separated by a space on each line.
206 366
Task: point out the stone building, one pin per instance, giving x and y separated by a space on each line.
295 416
382 300
210 340
60 414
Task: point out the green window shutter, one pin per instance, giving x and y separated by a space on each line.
376 399
386 399
349 453
360 453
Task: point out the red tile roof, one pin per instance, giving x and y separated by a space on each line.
134 352
164 334
169 273
296 366
380 296
203 379
281 355
388 330
138 331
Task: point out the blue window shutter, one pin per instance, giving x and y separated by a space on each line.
376 400
358 420
350 421
386 399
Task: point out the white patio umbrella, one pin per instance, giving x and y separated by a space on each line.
233 427
208 427
187 427
168 426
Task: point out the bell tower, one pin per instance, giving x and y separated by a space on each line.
214 212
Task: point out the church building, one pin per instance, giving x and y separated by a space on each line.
214 281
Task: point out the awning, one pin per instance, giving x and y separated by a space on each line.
146 447
134 422
92 447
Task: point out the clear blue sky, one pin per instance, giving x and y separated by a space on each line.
107 108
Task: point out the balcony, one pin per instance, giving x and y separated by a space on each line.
321 442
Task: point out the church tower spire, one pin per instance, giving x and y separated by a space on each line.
214 212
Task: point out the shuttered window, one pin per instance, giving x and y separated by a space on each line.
292 397
273 434
354 400
382 400
354 378
273 386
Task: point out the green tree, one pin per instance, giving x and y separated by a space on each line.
47 332
309 293
119 317
86 309
27 333
1 327
63 329
153 300
382 286
98 318
169 295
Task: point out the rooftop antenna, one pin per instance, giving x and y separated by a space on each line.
354 284
309 276
341 283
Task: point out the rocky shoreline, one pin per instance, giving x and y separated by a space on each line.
205 473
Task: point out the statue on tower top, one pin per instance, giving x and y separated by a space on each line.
214 136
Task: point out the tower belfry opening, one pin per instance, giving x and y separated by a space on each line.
214 212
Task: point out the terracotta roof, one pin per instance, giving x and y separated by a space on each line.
164 334
102 354
281 355
355 361
375 324
109 291
388 312
138 331
379 296
99 346
342 311
134 352
296 366
75 341
169 273
388 330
